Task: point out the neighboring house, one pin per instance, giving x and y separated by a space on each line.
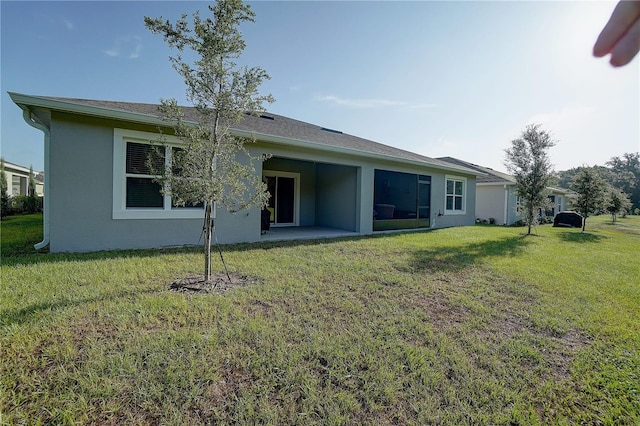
18 180
319 178
496 195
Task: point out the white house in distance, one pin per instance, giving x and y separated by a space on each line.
496 198
18 180
321 180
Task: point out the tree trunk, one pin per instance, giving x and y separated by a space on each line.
208 228
584 223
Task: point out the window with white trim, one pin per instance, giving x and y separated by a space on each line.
455 195
141 188
136 193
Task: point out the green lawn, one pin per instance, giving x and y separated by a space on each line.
470 325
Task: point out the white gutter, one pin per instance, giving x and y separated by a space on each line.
27 116
506 201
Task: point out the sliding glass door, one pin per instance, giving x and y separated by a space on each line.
284 190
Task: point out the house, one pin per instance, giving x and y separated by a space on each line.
18 180
321 180
496 198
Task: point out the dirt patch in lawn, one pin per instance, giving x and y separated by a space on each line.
218 283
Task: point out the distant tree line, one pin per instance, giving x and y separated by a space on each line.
613 188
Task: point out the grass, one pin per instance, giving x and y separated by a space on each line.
471 325
20 233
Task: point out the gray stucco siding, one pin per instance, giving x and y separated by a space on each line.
439 217
336 190
81 193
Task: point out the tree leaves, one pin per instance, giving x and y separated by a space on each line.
527 160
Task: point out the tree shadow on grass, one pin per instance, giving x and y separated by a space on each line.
460 256
579 237
34 257
35 311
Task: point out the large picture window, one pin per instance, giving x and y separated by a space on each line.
455 193
136 193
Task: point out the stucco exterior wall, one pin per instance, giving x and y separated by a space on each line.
490 203
439 217
80 198
336 191
337 194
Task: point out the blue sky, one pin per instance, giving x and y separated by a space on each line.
457 79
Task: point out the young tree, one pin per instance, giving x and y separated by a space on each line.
529 163
616 202
212 166
591 190
32 183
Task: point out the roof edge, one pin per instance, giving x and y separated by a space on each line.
24 101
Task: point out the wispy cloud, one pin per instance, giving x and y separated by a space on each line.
129 46
68 24
135 53
371 103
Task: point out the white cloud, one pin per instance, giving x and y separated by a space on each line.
137 49
370 103
122 45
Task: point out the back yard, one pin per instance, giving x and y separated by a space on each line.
471 325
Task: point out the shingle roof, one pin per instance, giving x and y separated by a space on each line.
492 176
267 124
496 177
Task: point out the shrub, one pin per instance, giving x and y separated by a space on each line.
24 204
545 220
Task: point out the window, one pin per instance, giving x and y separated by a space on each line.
552 202
136 195
455 195
18 185
142 191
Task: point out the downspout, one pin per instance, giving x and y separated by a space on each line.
33 122
506 203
